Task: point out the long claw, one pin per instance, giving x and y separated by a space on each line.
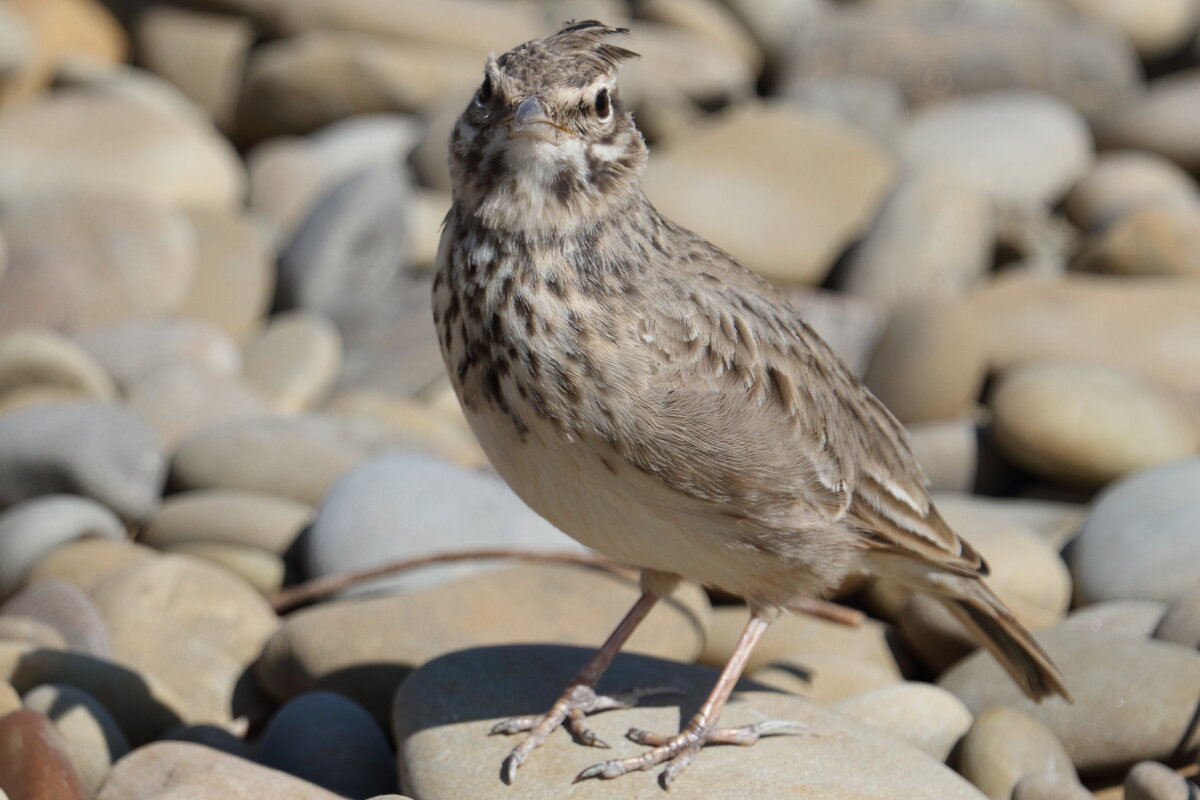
577 724
514 725
508 770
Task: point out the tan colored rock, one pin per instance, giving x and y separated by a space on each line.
1005 745
295 361
925 716
1150 240
177 401
227 516
1123 180
40 356
1161 119
86 562
948 452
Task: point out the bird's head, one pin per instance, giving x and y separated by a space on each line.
546 144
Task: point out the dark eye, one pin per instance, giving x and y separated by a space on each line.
485 91
603 104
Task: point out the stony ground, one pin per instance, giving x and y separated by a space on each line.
218 379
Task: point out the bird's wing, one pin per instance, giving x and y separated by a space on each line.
750 408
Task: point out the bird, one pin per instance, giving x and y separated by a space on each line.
661 403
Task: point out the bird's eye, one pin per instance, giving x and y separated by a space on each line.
603 104
485 91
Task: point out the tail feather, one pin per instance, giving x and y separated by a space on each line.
986 616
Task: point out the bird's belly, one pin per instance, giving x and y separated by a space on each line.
610 506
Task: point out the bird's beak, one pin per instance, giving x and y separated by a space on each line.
530 120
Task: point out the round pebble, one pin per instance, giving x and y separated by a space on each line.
228 516
40 357
262 569
84 563
1123 180
1150 780
31 529
925 716
1150 240
67 610
1160 120
295 361
131 349
1004 745
180 400
94 740
1181 622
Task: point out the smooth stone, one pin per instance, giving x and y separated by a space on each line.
164 770
1162 119
873 105
925 716
233 283
103 452
1145 326
1157 28
948 452
213 736
176 604
1181 623
679 66
350 248
1123 180
28 630
365 648
31 529
94 740
142 706
1130 617
132 349
934 236
9 699
1016 146
351 145
413 424
84 563
825 677
935 52
198 52
710 20
292 460
1088 423
227 516
1139 541
403 505
1151 240
1050 786
181 400
67 610
1134 697
35 760
295 361
82 140
38 395
287 178
1150 780
81 259
42 356
450 704
1003 746
333 742
263 570
803 211
929 364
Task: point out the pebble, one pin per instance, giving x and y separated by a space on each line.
1181 622
1123 180
1018 147
365 648
824 677
66 610
413 425
35 760
181 400
709 20
1050 786
59 30
294 461
1151 240
449 705
1132 617
132 349
1157 28
84 563
933 237
873 105
948 452
1150 780
159 608
678 66
1088 424
1003 746
39 356
941 51
333 742
351 145
227 516
1134 696
233 283
27 630
295 361
83 140
286 181
1144 327
929 363
802 211
402 505
925 716
263 570
94 740
1162 120
164 770
31 528
88 258
1139 541
103 452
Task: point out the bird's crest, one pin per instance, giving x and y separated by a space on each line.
590 38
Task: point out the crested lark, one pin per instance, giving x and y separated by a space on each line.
659 402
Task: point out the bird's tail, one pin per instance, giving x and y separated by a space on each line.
986 616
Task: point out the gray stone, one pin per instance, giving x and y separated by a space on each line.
228 516
1056 523
181 400
1157 29
1005 745
1160 120
925 716
1181 623
873 105
403 505
1150 780
103 452
1131 617
66 609
30 529
130 350
1139 541
948 452
449 705
94 740
286 181
295 361
43 357
328 740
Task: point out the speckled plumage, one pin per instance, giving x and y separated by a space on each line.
648 394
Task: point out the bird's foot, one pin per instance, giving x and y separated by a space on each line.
678 751
569 711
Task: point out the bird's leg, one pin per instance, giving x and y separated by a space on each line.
580 698
679 750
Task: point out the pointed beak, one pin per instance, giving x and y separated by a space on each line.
530 120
